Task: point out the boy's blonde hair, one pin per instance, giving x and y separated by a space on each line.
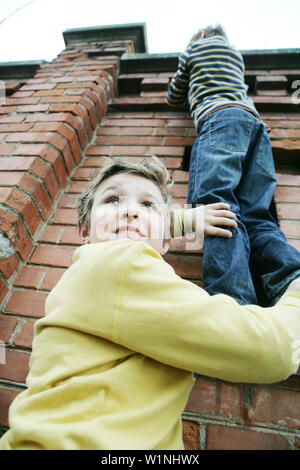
151 169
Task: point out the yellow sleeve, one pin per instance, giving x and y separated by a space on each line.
128 294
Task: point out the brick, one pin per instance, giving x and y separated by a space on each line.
6 149
174 131
6 398
61 99
190 435
100 107
90 107
98 150
50 234
288 211
131 130
185 266
232 438
203 397
16 367
133 122
69 200
7 326
38 108
65 216
25 100
185 141
22 94
230 405
3 289
21 203
9 265
287 194
15 127
16 232
179 190
274 406
78 187
180 123
66 132
115 130
52 138
52 256
49 93
180 176
82 173
26 302
47 153
25 337
71 236
287 179
76 110
132 102
159 83
170 151
290 228
17 118
124 140
135 114
51 279
131 150
29 276
38 86
94 162
35 188
7 109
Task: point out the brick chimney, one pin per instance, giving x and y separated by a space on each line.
105 95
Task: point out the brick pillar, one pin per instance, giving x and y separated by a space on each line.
45 128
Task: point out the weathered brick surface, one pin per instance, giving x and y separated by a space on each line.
221 437
190 433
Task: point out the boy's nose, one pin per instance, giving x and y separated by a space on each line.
130 211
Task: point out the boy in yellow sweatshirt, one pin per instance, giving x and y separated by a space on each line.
113 359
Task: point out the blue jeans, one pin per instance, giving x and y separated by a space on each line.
232 162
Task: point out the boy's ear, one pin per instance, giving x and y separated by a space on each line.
84 235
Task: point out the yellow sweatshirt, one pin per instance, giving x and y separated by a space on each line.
113 359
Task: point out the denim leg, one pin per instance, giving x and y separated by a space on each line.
216 170
274 262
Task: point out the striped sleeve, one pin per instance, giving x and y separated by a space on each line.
179 85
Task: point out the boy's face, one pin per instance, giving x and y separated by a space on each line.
128 206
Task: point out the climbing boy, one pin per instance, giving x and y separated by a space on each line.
113 359
232 161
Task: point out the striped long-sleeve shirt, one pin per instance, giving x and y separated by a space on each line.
210 76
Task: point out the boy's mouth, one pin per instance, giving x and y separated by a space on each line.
128 228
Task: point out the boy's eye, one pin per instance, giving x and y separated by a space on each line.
148 204
112 200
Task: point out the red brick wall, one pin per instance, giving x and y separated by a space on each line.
54 133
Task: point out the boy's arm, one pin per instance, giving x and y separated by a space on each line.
179 85
124 292
204 220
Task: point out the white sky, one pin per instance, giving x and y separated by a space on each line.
35 32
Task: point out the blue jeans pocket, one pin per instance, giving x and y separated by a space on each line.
232 134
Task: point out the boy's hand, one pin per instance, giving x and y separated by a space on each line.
205 220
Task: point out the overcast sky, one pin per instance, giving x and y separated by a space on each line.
35 32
